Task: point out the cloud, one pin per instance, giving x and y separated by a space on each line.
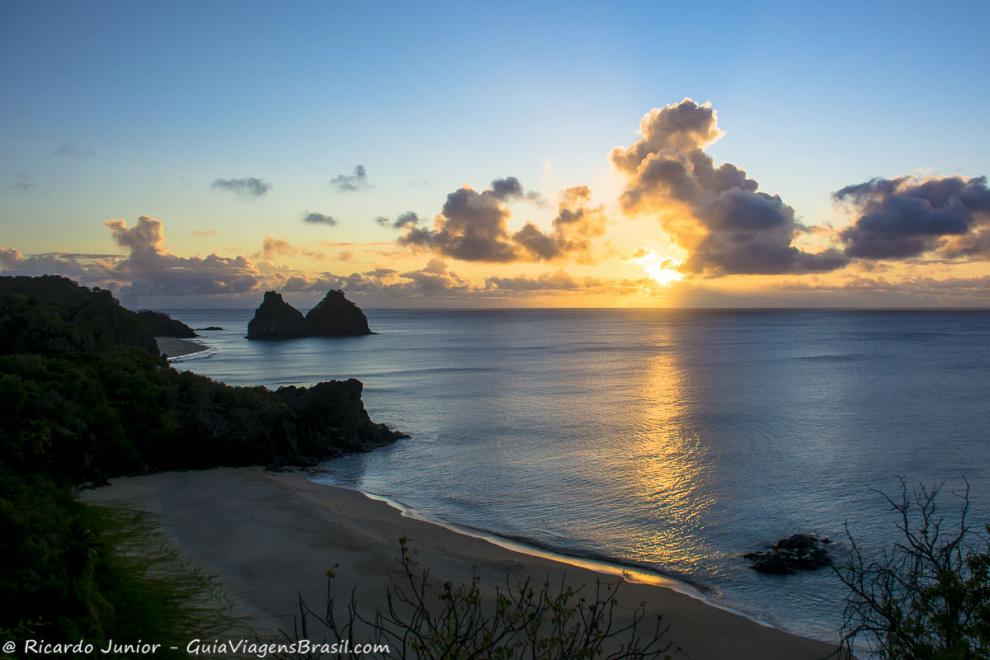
352 182
555 281
247 187
151 270
473 226
70 150
95 270
909 217
275 247
716 213
574 226
407 219
432 281
22 182
320 219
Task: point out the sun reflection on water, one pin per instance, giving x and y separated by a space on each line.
670 466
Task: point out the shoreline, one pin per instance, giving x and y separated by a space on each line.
629 573
173 347
269 538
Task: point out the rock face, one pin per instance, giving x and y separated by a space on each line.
276 319
336 316
799 552
330 419
160 324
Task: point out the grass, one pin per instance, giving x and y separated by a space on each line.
155 595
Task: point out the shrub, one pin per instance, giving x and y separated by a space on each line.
927 596
425 620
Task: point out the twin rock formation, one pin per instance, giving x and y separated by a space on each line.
334 316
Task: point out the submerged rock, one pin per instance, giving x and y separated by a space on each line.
276 319
336 316
798 552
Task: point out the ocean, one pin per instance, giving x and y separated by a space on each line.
673 441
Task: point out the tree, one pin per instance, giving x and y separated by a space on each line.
927 596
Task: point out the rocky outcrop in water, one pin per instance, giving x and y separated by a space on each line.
276 319
160 324
798 552
336 316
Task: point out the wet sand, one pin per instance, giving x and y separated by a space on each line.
270 536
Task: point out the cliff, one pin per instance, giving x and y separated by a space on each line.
85 395
160 324
336 316
276 319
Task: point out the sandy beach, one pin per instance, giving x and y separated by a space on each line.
174 347
269 537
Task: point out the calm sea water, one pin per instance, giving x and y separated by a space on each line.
674 440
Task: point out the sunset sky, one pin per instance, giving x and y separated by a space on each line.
510 154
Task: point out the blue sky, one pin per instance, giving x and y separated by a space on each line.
168 97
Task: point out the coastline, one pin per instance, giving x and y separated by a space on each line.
173 347
270 537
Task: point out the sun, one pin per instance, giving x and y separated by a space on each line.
663 271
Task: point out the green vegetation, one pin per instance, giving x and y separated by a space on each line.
84 396
427 620
928 596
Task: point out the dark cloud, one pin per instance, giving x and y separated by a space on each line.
351 182
471 226
69 150
575 225
246 187
907 217
407 219
507 189
320 219
22 182
715 213
750 232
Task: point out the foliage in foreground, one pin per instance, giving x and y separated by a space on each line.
93 573
430 621
927 597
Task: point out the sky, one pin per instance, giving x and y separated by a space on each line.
512 154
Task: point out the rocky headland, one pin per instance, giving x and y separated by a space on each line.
160 324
